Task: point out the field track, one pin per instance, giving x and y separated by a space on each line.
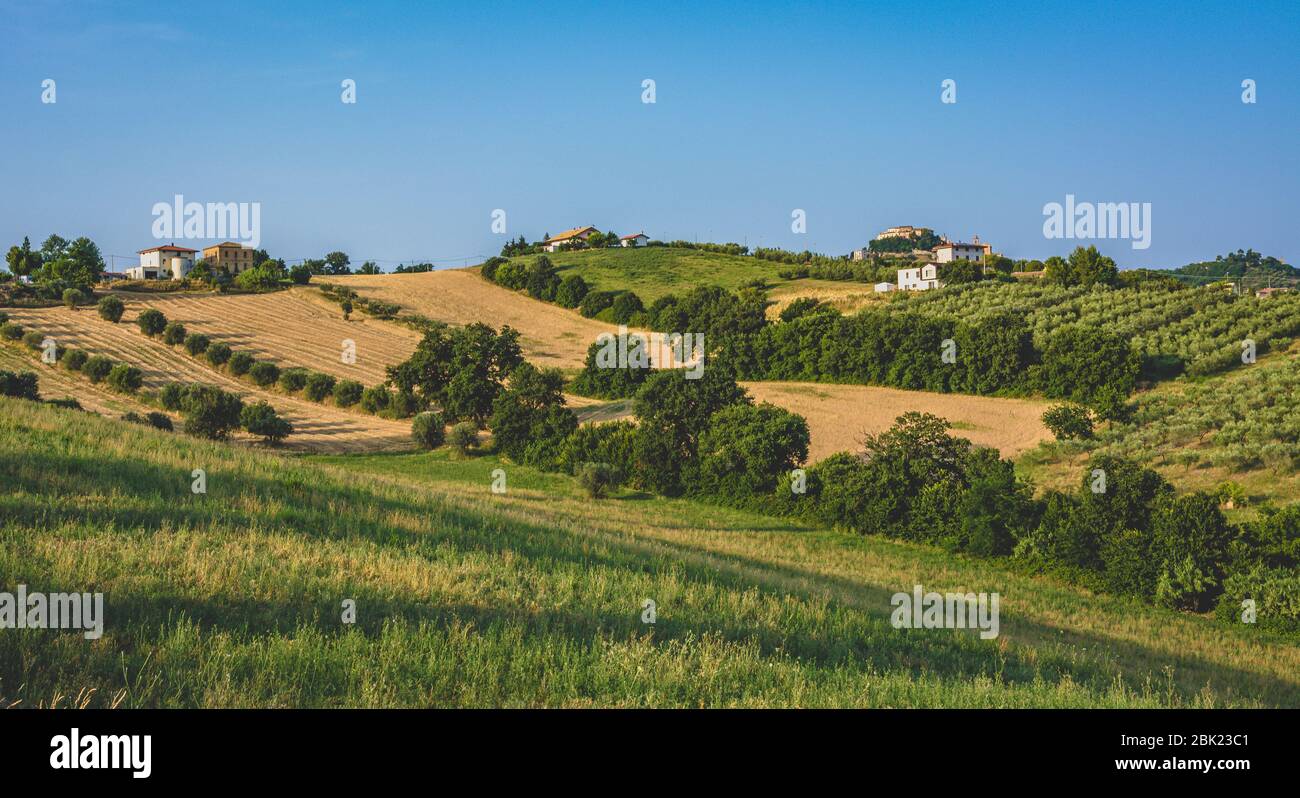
317 427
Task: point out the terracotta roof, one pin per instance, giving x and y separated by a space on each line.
634 235
224 244
567 234
167 248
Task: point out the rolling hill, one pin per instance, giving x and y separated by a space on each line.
533 597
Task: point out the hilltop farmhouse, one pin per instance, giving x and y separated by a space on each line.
949 251
168 262
232 257
921 278
576 235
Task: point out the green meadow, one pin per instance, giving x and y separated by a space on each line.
534 597
651 272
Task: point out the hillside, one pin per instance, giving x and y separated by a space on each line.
651 272
528 598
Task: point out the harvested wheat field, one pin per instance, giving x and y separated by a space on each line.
549 334
290 328
317 427
838 415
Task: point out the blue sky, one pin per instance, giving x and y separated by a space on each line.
762 108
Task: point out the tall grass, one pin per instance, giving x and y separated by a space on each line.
531 598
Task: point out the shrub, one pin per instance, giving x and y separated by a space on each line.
348 393
155 419
125 379
292 380
318 386
599 479
612 442
1275 591
97 368
427 430
571 291
1069 421
463 437
196 344
218 353
261 419
33 339
264 373
21 385
375 398
172 396
594 302
240 363
74 360
174 333
211 412
72 297
11 331
111 308
403 405
625 306
151 322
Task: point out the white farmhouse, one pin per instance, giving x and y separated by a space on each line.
163 263
949 251
576 235
922 278
634 240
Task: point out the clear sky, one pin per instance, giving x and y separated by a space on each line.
761 108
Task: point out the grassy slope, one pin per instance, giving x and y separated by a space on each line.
530 598
652 272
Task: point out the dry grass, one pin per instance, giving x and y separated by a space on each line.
549 334
838 415
846 296
317 427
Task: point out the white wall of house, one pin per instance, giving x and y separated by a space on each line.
922 278
164 263
634 241
959 252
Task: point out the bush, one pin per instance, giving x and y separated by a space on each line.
33 339
1069 421
218 353
571 291
74 360
196 344
264 373
21 385
1275 591
594 302
625 306
155 420
599 479
111 308
427 430
376 398
172 396
261 419
211 412
151 322
348 393
174 333
463 437
240 363
72 297
292 380
403 405
125 379
318 386
97 368
11 331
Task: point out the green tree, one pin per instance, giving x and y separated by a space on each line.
261 419
111 308
22 260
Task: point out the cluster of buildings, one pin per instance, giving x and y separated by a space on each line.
170 262
926 276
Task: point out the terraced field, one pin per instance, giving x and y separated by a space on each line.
317 427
